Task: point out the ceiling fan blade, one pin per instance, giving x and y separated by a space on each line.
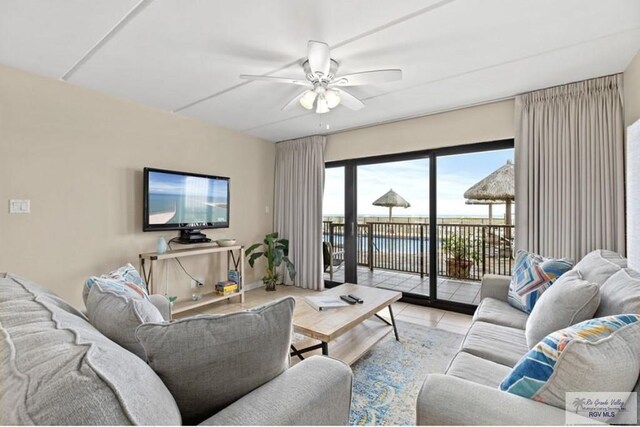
319 57
349 100
295 101
276 79
368 77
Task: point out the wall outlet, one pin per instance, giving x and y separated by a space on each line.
196 283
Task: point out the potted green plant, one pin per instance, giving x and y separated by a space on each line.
462 254
276 251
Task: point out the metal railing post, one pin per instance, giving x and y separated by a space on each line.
421 251
370 245
331 240
484 250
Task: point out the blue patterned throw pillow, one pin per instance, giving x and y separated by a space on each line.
124 281
127 273
532 275
597 355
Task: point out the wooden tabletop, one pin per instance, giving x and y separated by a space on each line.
329 324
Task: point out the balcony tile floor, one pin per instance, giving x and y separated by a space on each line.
448 289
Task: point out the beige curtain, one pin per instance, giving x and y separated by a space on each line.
299 188
570 169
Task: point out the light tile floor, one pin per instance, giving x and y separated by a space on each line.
416 314
450 290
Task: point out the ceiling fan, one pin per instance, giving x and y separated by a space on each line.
325 89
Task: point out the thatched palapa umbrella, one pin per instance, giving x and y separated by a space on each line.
497 187
391 200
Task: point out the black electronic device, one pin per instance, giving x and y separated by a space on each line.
348 299
184 201
192 236
356 298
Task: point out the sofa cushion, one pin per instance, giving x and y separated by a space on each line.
208 362
499 312
620 294
532 275
475 369
569 301
118 315
496 343
597 266
597 355
57 369
124 280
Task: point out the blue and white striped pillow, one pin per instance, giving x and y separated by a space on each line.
596 355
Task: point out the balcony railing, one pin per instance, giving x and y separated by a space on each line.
480 249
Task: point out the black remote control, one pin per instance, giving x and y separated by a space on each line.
355 298
347 299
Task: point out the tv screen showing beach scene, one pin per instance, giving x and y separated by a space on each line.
186 200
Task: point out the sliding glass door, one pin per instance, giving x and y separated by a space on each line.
393 225
407 222
474 233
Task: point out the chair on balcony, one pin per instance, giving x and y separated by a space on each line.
498 243
333 260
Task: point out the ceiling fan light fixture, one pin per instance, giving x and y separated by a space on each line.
332 97
325 87
308 99
322 105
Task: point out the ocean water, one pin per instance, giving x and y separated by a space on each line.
185 209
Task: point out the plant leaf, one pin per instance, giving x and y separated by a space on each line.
252 248
254 257
284 245
290 267
277 257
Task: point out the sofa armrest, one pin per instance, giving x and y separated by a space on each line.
162 304
316 391
495 286
448 400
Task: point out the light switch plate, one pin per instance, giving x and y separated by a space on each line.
19 206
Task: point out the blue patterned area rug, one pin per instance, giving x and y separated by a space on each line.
388 377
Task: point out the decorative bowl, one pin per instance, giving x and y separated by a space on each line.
226 242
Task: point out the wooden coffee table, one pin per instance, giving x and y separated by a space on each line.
345 333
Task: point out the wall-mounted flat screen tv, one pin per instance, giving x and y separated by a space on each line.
184 201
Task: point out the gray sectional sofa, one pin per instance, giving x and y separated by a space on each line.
468 393
57 369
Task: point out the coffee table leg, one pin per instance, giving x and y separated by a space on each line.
296 352
393 322
325 348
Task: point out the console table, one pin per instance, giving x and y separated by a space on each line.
150 258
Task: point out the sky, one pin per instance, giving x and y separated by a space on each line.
410 179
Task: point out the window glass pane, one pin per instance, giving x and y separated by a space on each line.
333 224
470 243
393 225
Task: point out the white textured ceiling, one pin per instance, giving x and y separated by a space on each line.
185 56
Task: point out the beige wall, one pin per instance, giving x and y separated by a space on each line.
466 126
78 156
632 91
